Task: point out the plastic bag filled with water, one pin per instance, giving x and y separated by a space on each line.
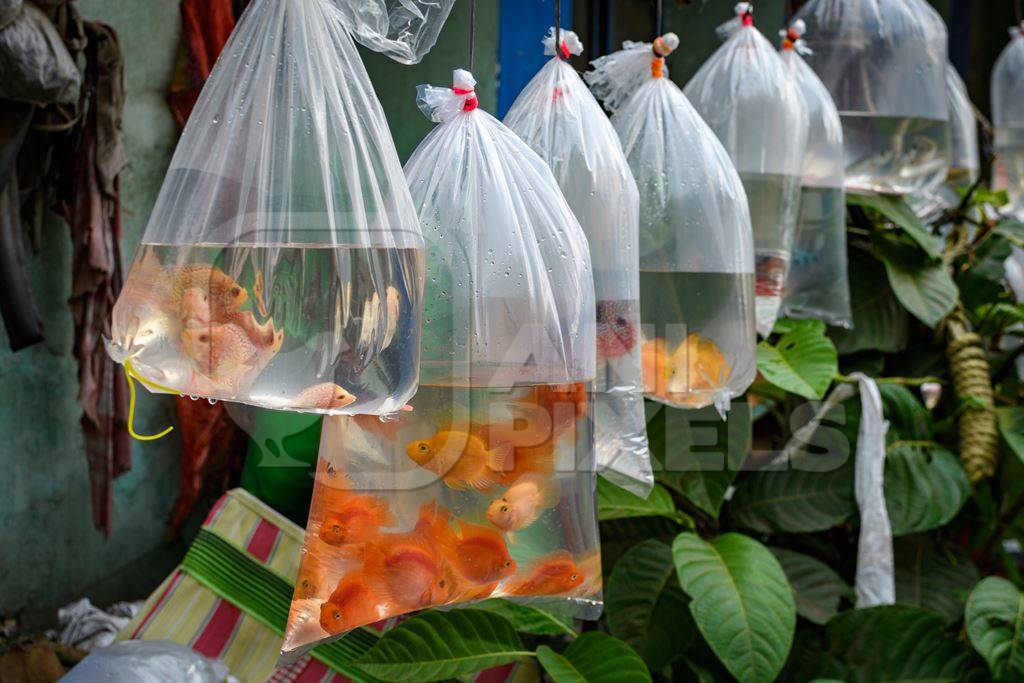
747 96
884 62
1008 119
696 247
558 117
282 264
817 286
485 487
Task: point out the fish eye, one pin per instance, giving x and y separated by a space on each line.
504 508
336 528
305 583
336 615
441 583
423 448
620 320
204 338
508 563
235 291
573 577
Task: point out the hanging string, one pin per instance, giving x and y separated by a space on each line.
130 375
789 11
659 18
472 33
1017 12
558 30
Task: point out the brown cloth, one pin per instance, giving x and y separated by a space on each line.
210 438
89 200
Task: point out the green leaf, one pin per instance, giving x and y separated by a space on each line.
995 626
594 657
933 575
615 502
528 618
435 645
899 213
879 321
994 317
794 500
925 288
1012 230
645 606
907 416
817 589
925 486
1011 426
803 361
896 643
741 602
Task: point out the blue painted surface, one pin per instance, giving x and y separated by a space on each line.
522 25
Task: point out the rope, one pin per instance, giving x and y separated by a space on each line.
559 52
472 33
130 375
977 428
659 18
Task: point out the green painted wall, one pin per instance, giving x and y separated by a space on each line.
49 551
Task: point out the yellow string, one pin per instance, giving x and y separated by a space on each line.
130 375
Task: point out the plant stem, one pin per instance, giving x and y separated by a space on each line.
905 381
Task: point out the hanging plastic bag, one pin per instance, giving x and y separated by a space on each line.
405 30
696 250
1008 119
282 265
817 286
884 63
35 65
558 117
486 486
747 95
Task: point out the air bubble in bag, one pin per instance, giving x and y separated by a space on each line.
747 96
817 286
558 117
282 265
486 486
696 246
1008 119
884 63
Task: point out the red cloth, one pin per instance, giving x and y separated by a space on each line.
205 27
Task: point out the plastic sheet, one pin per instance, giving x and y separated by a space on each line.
148 661
35 66
1008 119
884 63
696 247
486 486
747 95
558 117
404 30
282 264
817 286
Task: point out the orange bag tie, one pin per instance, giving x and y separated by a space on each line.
662 47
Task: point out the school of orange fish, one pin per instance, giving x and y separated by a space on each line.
443 559
695 368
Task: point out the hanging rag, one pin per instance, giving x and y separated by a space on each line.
205 28
89 201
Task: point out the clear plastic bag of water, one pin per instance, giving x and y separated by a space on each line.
817 286
747 96
485 487
1008 119
558 117
696 246
884 62
282 265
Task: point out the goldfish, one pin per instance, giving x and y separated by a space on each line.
194 307
225 295
566 403
523 502
520 452
392 304
220 351
326 395
352 518
352 603
480 554
462 459
697 366
312 577
552 575
616 332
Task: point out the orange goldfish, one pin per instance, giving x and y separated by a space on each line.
326 395
225 295
352 519
194 307
519 452
552 575
480 554
312 577
460 458
352 603
697 366
219 351
566 403
616 329
523 502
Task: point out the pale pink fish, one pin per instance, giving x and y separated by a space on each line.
222 352
523 502
326 395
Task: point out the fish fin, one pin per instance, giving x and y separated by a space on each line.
550 490
373 572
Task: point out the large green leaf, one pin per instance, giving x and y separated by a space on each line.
594 657
817 589
435 645
740 600
645 606
1011 426
896 643
528 618
907 416
697 453
879 321
925 288
803 361
794 500
995 625
925 486
933 575
615 502
899 213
